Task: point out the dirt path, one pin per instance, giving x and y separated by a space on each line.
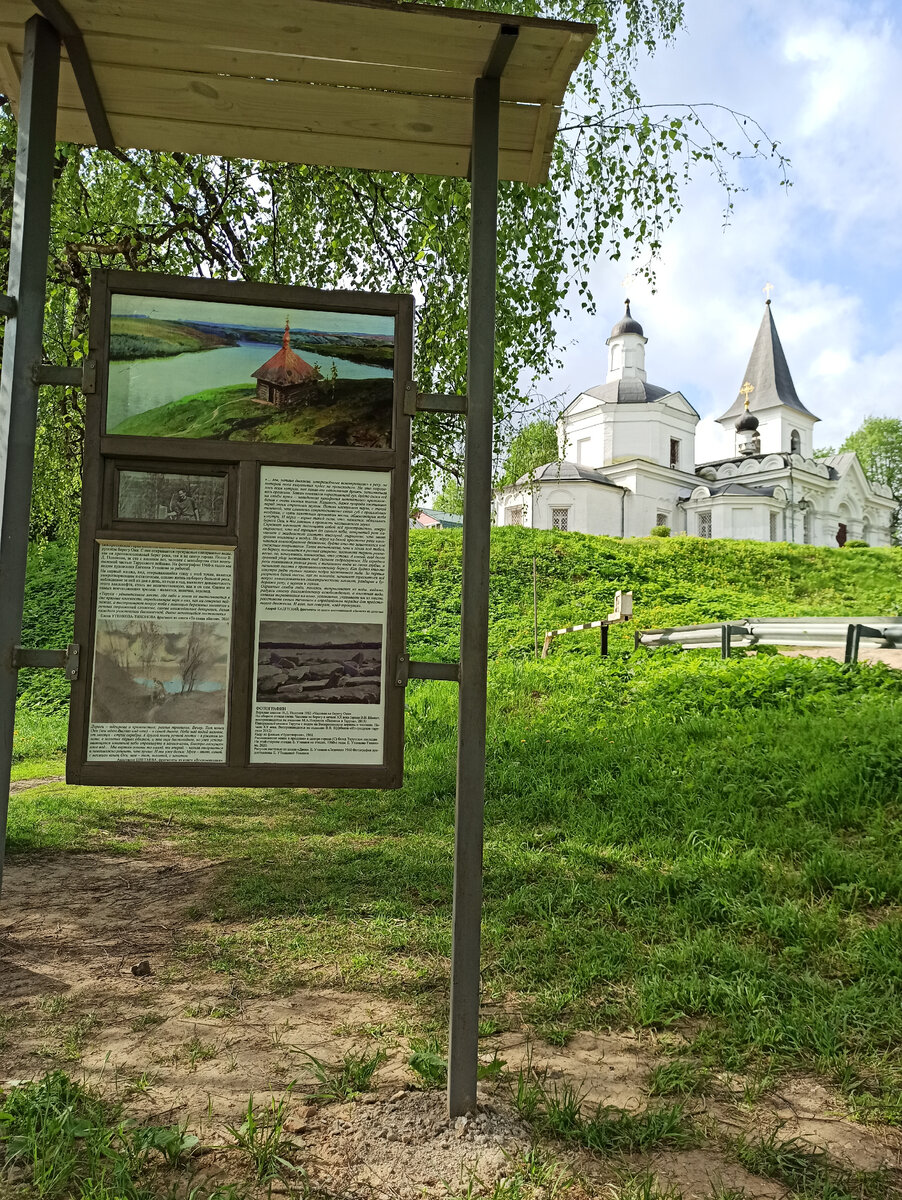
22 785
182 1043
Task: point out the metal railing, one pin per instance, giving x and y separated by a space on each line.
852 633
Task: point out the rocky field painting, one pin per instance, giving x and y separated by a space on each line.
314 662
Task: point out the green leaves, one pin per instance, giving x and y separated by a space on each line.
535 445
617 172
878 444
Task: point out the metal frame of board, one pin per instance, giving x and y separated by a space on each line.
105 455
431 90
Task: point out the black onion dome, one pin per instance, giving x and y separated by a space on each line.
748 422
626 324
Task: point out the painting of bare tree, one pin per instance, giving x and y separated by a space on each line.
160 672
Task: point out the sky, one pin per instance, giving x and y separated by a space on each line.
249 315
822 77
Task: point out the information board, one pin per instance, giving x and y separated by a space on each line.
242 567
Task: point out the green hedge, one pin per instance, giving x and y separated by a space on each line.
675 581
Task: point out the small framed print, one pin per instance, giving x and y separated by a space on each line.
174 497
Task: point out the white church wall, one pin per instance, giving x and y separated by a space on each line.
605 508
626 356
645 431
645 502
583 441
589 507
750 522
776 428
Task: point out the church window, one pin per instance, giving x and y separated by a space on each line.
773 526
662 518
866 531
674 452
513 514
795 442
704 524
560 518
806 526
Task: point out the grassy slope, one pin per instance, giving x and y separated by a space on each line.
667 837
674 581
142 337
232 413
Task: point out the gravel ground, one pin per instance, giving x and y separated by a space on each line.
406 1146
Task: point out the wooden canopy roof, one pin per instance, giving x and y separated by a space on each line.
349 83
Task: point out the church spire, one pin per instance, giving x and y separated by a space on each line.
767 375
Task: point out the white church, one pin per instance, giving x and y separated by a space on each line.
628 462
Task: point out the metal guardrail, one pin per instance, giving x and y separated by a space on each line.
879 633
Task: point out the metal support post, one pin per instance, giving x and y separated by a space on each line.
604 641
725 634
853 642
29 249
463 1048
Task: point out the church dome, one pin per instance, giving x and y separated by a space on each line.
748 422
627 391
626 324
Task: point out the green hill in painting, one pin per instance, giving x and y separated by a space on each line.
344 412
134 337
144 337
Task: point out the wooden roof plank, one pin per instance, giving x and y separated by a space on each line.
518 83
353 83
305 108
390 36
546 126
230 141
222 41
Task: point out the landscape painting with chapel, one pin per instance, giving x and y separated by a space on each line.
244 373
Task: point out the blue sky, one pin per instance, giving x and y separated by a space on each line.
823 78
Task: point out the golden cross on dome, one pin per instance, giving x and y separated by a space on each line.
767 289
747 389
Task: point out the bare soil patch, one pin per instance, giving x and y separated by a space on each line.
23 785
182 1043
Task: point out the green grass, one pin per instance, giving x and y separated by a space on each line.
559 1112
809 1173
261 1138
61 1140
65 1141
670 840
39 743
667 838
674 581
232 413
679 1078
346 1079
